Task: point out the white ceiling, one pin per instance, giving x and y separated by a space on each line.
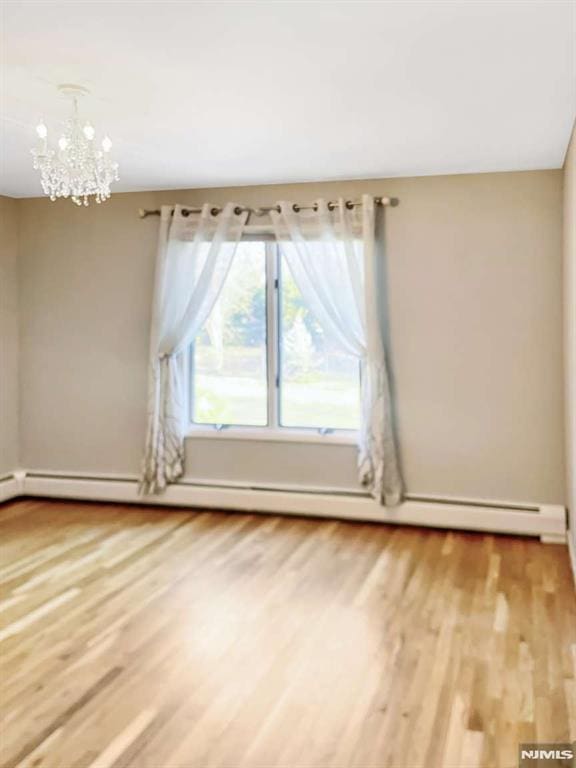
223 93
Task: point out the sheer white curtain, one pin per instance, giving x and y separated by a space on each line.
194 255
331 252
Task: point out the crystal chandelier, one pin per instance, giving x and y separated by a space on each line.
79 167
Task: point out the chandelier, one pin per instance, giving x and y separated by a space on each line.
79 167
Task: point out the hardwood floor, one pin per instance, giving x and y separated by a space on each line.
141 638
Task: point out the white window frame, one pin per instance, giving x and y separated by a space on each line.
273 431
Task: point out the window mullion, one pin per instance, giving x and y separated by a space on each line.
272 332
191 384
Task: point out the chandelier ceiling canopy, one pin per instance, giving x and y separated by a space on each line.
78 166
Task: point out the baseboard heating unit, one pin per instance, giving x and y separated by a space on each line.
546 521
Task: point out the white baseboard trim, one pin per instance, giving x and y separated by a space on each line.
11 486
548 522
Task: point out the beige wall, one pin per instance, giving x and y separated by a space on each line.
570 327
475 271
8 336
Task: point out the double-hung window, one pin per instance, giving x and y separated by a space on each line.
262 363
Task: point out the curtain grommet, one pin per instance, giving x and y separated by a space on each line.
238 210
214 211
296 208
349 205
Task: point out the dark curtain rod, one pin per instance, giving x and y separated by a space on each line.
392 201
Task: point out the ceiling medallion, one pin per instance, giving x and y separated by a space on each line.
79 167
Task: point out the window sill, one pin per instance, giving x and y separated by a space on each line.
273 435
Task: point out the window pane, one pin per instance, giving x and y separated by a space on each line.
229 366
319 382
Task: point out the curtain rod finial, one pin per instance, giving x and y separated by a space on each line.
394 201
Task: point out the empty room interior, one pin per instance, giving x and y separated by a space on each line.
288 384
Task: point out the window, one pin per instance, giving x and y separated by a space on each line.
262 360
229 365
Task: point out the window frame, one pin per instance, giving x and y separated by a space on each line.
273 430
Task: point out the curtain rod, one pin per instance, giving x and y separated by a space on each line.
392 201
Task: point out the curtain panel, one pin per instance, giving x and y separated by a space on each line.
331 252
194 256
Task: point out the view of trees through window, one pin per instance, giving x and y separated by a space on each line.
318 383
229 378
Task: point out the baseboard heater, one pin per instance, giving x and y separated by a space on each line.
546 521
